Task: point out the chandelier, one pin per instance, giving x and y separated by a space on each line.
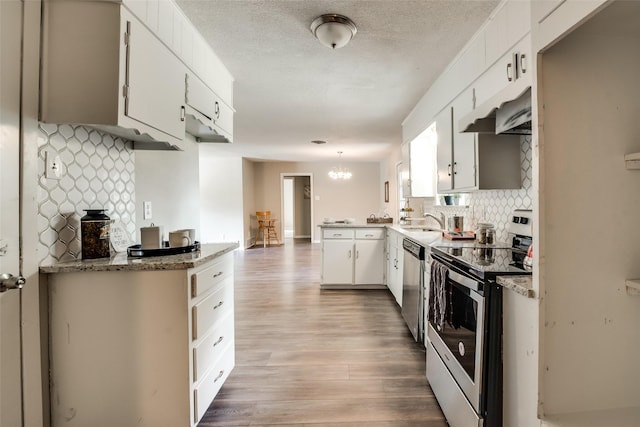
340 172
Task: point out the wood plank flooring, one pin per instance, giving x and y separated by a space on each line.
311 357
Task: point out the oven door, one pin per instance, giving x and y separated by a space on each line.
460 341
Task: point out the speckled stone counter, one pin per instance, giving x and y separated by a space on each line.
354 225
121 262
522 285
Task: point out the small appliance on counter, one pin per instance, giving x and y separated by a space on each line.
94 232
180 242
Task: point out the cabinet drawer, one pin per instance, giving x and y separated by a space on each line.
207 389
213 308
208 278
337 233
370 233
212 346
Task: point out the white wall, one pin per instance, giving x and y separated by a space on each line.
169 180
221 196
356 198
249 201
590 339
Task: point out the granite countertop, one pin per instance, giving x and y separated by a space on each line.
522 285
121 262
354 225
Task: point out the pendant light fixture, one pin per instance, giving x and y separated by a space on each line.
340 172
333 30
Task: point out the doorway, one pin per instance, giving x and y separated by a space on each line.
297 213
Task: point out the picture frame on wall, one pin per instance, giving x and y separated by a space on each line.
386 191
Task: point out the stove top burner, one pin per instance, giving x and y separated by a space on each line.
483 260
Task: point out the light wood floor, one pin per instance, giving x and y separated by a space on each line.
311 357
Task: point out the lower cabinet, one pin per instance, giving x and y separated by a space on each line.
394 264
353 257
144 348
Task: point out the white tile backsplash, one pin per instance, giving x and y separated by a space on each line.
98 171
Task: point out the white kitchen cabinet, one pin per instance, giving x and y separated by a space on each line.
337 261
475 161
368 263
353 257
111 79
505 81
456 155
157 345
208 118
395 260
554 19
507 26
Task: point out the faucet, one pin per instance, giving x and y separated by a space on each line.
440 221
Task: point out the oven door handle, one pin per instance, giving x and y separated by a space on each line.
464 281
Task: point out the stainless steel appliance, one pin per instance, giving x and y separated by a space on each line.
464 331
412 287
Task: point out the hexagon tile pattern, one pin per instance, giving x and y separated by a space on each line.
98 171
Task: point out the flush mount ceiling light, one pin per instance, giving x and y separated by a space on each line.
340 172
333 30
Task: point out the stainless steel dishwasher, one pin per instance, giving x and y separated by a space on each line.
412 287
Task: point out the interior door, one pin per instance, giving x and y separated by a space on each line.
10 349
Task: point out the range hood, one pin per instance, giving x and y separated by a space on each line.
510 118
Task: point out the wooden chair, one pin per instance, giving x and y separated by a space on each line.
267 226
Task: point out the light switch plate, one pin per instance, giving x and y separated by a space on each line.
146 210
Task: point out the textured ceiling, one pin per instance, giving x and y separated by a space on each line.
289 89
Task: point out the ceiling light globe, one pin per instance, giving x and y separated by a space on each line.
333 30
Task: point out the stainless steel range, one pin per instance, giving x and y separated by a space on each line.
464 331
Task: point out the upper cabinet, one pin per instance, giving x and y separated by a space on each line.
474 161
456 155
494 62
208 117
112 79
553 19
507 79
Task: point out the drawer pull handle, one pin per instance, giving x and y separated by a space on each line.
368 235
218 274
218 305
337 234
219 376
219 341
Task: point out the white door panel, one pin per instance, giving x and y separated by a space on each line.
10 352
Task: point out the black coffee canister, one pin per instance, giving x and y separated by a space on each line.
94 230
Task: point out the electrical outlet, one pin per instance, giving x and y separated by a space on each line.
52 165
146 210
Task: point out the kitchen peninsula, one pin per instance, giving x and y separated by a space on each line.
144 341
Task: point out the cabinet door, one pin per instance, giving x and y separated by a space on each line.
464 158
155 78
444 129
369 266
337 261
